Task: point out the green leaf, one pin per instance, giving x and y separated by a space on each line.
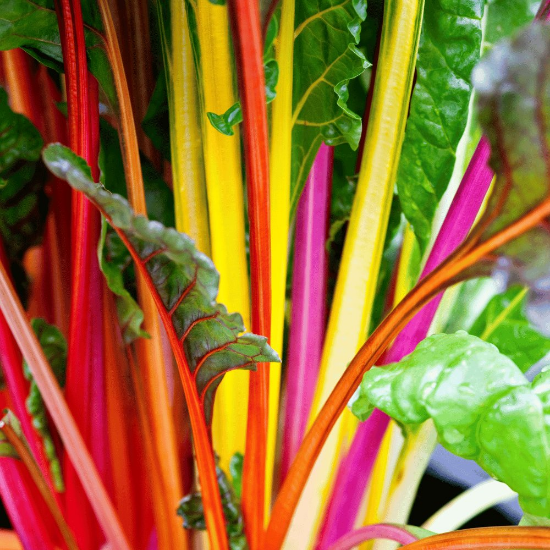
23 202
115 261
514 110
191 510
54 346
224 123
184 281
482 406
32 25
449 48
236 470
325 60
504 324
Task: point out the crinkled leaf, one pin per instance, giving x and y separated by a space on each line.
504 324
191 510
54 346
32 25
6 449
449 48
23 202
115 261
482 406
513 86
185 283
320 83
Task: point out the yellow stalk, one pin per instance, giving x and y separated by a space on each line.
405 274
351 310
279 172
185 132
224 185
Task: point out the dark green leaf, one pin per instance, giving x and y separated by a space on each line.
54 347
513 86
236 470
482 406
32 25
449 48
503 323
156 123
23 202
184 279
191 510
320 83
224 123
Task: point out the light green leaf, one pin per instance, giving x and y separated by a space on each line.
449 48
6 449
32 25
503 323
54 347
325 60
482 406
184 280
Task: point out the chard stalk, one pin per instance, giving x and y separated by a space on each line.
356 285
245 19
309 287
370 532
279 197
224 185
468 505
151 350
9 540
85 344
57 406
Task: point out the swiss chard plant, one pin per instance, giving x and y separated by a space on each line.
258 258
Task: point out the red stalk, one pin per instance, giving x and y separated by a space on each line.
247 38
85 372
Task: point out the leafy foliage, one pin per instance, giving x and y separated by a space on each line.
23 203
55 349
32 26
6 448
449 48
482 406
191 510
320 84
185 283
503 323
514 95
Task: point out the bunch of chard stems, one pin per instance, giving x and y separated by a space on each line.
128 425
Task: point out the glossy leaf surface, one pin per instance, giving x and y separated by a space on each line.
185 279
449 48
482 406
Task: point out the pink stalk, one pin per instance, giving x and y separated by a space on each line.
370 532
308 302
348 492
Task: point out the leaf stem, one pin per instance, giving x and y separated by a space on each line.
377 531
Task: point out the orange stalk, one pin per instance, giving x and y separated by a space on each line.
9 540
487 538
247 38
170 532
